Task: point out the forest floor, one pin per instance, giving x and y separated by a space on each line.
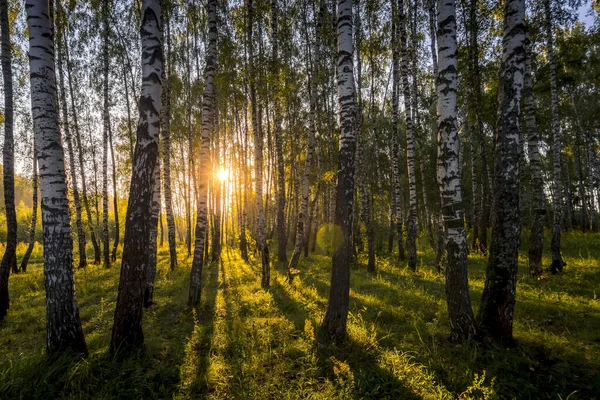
247 343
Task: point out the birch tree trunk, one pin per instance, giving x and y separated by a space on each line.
411 242
310 148
217 194
536 237
281 231
557 200
34 201
63 326
339 292
473 61
457 285
9 259
357 244
498 300
484 181
395 134
367 198
258 157
106 128
68 138
587 201
84 192
115 195
166 151
208 109
150 273
127 331
431 10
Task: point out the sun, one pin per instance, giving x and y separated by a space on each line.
223 174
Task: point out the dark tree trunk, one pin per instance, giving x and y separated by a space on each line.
9 260
498 300
166 152
106 128
115 196
127 331
339 292
281 231
536 237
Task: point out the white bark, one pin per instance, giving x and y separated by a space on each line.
63 327
208 109
339 292
457 287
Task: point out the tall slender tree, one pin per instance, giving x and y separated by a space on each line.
448 169
63 326
278 97
557 200
106 128
301 225
208 108
34 202
115 195
166 147
397 210
498 301
536 237
411 241
80 154
339 292
258 154
127 331
150 272
68 138
9 259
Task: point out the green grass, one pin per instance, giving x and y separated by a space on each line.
245 342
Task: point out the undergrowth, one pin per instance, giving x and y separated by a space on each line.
249 343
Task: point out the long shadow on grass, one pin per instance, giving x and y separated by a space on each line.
368 380
199 350
510 366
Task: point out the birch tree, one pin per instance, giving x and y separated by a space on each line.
127 331
34 202
258 156
281 231
166 148
111 147
498 300
150 272
411 242
557 200
339 291
9 259
80 154
208 109
301 225
69 140
448 170
63 326
105 129
395 134
536 236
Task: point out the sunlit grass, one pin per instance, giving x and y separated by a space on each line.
246 342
